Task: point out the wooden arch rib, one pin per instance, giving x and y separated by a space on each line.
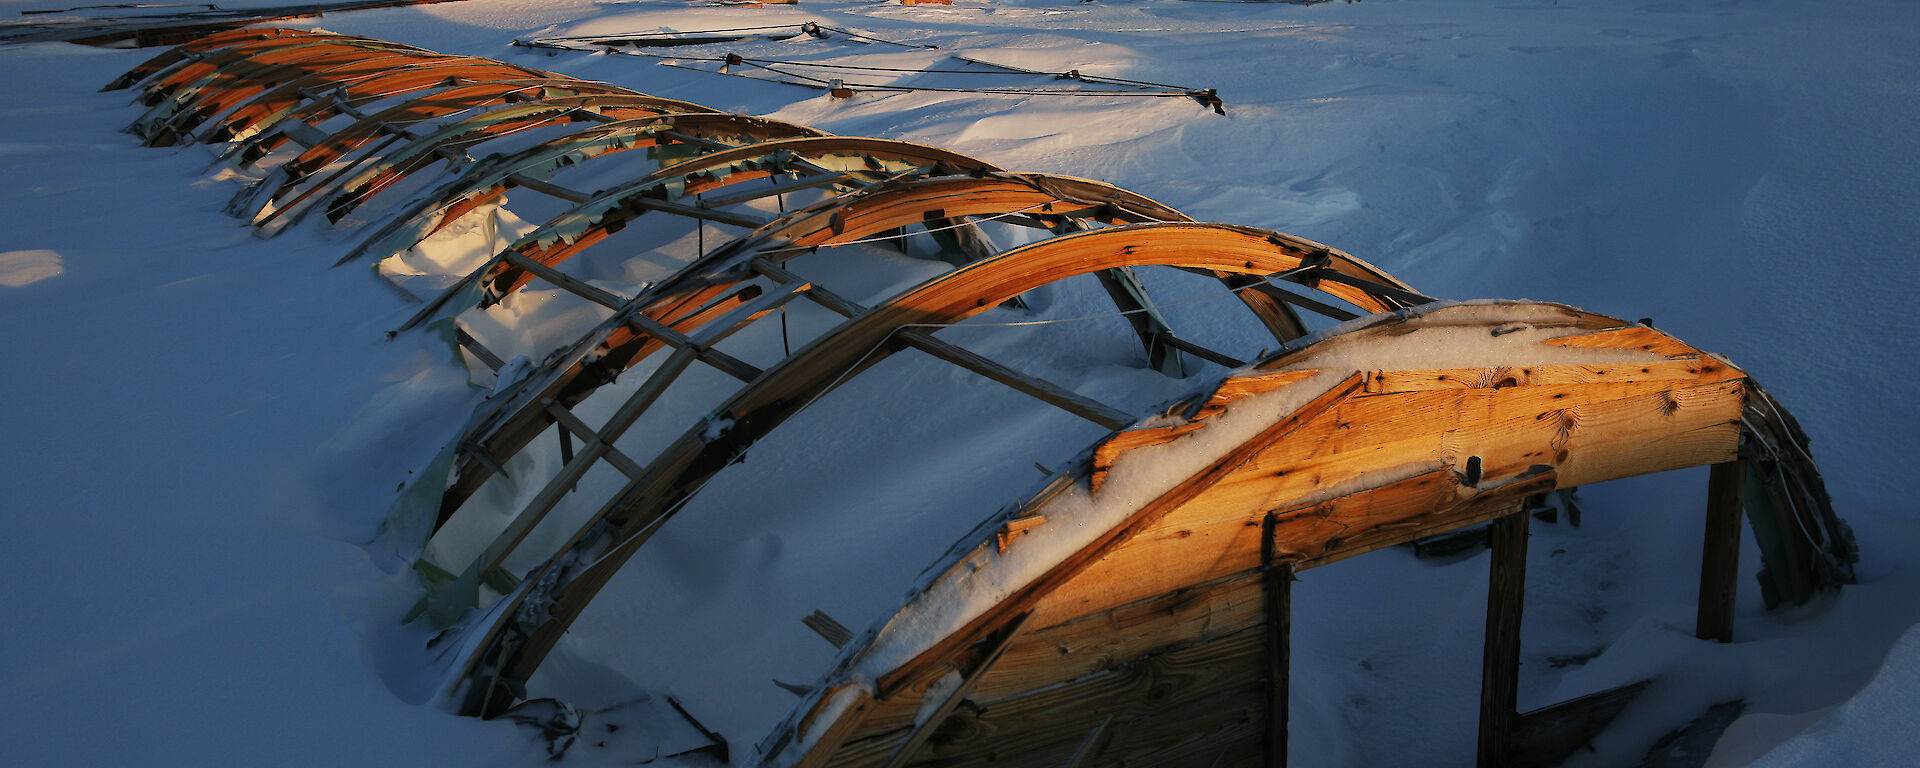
515 645
239 81
171 56
486 180
612 210
357 181
258 128
382 76
168 82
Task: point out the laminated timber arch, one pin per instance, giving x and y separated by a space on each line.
257 129
347 187
379 74
212 83
1135 618
194 48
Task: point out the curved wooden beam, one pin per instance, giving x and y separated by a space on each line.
571 578
258 128
380 77
184 51
359 180
167 82
192 104
489 178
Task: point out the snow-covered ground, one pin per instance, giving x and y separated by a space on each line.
200 430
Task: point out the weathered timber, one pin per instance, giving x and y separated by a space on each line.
1090 747
1500 657
1631 337
1431 429
824 748
1074 564
1720 553
918 737
1546 736
1152 689
1162 640
1278 582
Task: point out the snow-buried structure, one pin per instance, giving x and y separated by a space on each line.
1133 610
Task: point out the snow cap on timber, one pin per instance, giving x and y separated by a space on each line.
972 578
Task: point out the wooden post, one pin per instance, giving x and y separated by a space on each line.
1720 556
1500 663
1279 589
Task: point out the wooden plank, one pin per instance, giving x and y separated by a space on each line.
1198 351
705 214
1121 442
1228 391
1500 657
832 631
824 748
1171 693
1248 385
1223 731
1037 388
575 285
727 364
572 423
1374 288
1420 506
548 188
478 350
1090 644
917 738
1278 583
1277 315
1023 598
1698 370
1014 528
570 474
1720 553
1546 736
781 188
1436 428
1629 337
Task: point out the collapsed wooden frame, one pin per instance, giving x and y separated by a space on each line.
1186 591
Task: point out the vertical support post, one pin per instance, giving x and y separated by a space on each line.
1278 581
1131 297
1720 554
1500 663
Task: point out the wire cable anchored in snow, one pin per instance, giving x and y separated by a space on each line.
785 69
